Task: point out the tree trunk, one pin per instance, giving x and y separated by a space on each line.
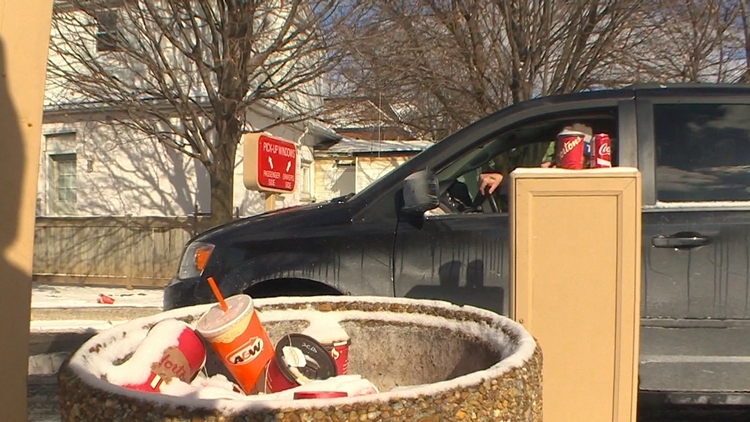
746 34
221 172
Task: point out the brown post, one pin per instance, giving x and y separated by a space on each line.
24 35
270 201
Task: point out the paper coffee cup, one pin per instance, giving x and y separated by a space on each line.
180 352
299 359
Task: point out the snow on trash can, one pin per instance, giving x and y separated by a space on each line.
409 360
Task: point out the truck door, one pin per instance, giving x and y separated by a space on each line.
695 157
462 259
461 254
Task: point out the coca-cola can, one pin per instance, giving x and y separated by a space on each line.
602 151
569 148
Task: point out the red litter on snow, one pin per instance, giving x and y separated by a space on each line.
105 299
319 394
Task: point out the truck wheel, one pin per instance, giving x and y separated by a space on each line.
276 288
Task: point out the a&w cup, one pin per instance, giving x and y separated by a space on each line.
238 338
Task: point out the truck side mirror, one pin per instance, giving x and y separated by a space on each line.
420 192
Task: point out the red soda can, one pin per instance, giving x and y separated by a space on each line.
335 339
339 351
569 148
602 151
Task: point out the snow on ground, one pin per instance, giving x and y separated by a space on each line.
47 364
67 296
71 326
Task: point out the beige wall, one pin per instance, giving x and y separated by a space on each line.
330 177
24 33
370 169
120 172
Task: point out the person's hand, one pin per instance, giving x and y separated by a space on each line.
488 182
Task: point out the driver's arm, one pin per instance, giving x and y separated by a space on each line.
489 182
492 174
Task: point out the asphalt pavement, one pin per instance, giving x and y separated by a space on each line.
43 405
692 413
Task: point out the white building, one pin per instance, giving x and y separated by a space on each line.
351 165
92 166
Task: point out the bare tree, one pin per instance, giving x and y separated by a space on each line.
187 72
690 42
744 30
455 61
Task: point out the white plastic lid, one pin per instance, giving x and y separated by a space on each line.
215 320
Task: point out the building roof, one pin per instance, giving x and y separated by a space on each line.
350 146
364 118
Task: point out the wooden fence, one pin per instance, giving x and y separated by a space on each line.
121 251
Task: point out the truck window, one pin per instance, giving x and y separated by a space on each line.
702 152
525 145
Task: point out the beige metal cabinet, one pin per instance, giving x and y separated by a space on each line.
575 286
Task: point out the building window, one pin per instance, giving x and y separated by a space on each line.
107 31
63 184
305 185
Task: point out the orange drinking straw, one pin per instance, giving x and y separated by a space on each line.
217 293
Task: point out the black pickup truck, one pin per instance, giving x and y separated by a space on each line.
424 230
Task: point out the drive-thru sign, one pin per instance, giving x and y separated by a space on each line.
270 163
